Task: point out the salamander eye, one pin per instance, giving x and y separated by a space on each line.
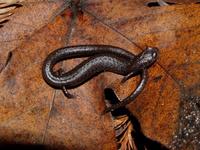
154 54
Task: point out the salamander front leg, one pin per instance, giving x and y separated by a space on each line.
130 75
64 89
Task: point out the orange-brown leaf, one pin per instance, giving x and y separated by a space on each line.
31 112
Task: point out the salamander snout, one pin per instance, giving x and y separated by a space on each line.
152 52
148 56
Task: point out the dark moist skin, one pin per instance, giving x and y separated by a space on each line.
102 58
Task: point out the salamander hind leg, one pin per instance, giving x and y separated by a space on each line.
113 108
66 93
64 89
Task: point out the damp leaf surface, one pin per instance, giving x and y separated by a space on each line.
167 111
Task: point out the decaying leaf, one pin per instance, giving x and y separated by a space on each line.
6 9
180 1
162 3
166 112
124 130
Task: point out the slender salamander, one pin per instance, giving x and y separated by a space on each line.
102 58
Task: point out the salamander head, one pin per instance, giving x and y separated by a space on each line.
148 57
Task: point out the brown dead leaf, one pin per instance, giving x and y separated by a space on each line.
182 1
31 112
7 8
